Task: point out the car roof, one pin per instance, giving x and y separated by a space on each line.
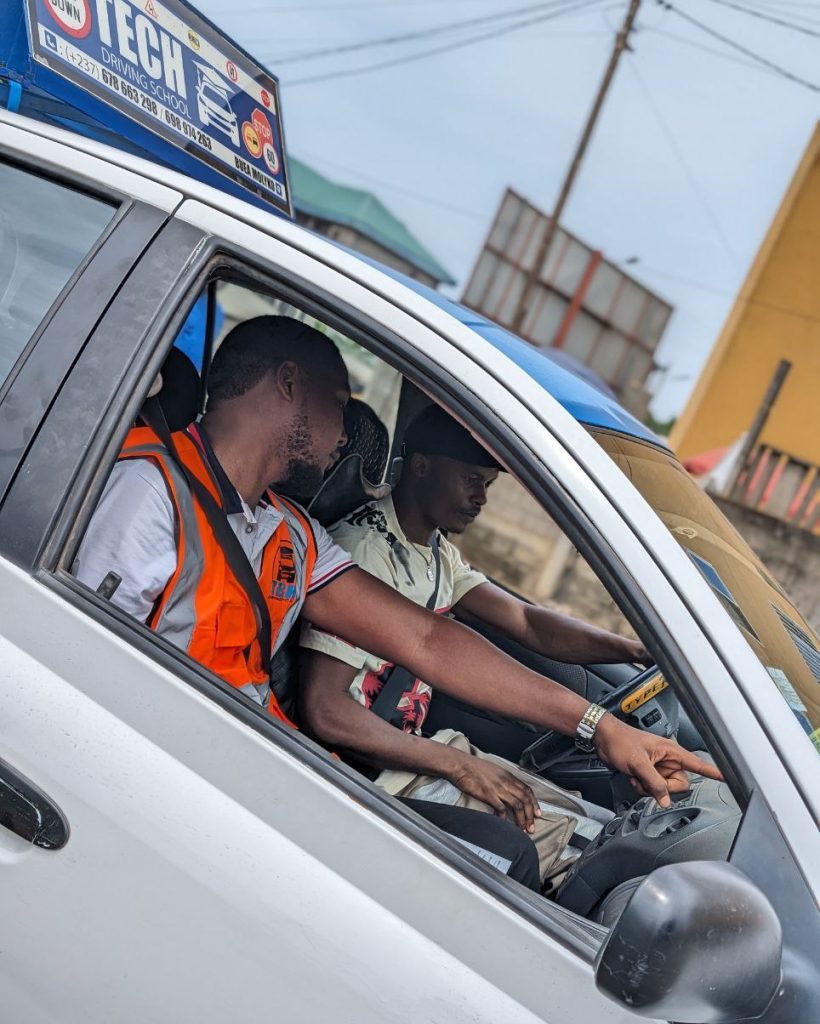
585 397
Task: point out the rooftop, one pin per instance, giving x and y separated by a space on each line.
314 195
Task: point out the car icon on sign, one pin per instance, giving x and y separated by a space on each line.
213 102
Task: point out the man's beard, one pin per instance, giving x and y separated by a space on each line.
303 476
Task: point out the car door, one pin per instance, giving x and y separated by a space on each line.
245 868
720 682
203 863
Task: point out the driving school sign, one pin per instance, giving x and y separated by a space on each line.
163 66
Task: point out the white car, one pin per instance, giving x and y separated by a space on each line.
169 853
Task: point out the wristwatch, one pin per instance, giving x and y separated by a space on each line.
586 727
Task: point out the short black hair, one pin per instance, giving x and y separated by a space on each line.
260 346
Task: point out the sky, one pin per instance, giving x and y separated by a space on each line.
693 152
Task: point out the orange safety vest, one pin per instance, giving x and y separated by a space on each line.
203 608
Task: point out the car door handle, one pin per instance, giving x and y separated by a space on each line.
28 812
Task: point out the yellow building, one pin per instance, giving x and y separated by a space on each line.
776 316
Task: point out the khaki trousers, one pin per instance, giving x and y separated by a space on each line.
552 830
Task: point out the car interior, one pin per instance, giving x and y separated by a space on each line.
700 824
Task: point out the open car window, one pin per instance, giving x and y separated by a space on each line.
371 379
515 541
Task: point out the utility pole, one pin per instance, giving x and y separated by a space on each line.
532 275
757 425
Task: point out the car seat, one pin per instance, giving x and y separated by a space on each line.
350 483
356 477
177 387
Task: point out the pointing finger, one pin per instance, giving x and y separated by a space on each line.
693 763
653 782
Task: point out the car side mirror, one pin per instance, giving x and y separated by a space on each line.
698 943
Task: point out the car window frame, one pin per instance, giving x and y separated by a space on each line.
212 255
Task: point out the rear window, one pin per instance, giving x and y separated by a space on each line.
772 626
46 230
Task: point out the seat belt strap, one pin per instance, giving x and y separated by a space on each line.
238 561
398 679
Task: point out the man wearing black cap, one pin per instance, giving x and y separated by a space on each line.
445 487
398 539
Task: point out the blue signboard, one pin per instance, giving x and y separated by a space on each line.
162 65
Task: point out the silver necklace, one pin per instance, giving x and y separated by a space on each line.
428 561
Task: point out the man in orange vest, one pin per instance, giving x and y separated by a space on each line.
277 392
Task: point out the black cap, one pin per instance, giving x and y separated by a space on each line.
435 432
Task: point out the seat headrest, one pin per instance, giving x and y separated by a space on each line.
356 477
345 488
366 436
178 390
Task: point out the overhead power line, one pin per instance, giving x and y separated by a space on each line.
737 294
424 33
691 177
763 16
778 68
742 61
790 9
346 6
497 31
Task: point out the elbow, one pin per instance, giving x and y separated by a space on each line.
316 717
323 719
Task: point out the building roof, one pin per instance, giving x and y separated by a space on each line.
314 195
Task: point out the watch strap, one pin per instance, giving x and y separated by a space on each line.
585 732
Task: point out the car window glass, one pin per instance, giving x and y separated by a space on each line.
46 230
768 620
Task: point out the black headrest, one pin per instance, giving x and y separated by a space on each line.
366 436
356 477
179 395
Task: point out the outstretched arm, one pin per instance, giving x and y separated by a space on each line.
549 632
458 661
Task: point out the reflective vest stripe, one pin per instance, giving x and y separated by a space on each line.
258 692
304 547
175 615
203 609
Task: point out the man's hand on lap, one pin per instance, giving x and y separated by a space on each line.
487 781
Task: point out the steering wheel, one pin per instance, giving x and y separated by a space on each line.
646 701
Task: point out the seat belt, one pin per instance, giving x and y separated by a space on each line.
238 561
399 679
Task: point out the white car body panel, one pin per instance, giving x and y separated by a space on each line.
49 146
244 868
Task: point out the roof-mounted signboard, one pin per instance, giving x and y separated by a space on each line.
164 66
